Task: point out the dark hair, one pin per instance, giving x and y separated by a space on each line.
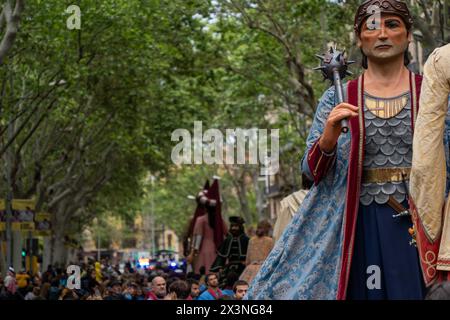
181 289
190 275
114 283
193 281
210 275
263 228
239 283
195 276
260 232
231 279
171 280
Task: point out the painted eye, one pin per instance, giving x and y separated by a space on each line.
392 24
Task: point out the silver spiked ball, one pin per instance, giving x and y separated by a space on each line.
331 61
334 67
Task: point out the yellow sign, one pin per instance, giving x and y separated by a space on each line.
42 233
23 211
15 226
23 214
22 218
42 216
27 226
23 204
43 224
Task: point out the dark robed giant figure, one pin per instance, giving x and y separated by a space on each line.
344 242
207 229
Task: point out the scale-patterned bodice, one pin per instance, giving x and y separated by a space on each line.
388 145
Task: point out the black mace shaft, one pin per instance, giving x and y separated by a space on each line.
340 96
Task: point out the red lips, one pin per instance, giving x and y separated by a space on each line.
384 46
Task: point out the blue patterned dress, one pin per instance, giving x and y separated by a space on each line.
305 261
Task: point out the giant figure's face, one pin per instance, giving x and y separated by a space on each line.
235 229
386 43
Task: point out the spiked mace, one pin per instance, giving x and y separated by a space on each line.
334 65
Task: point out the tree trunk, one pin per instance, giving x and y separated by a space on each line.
3 267
242 195
11 17
58 250
17 251
259 194
46 254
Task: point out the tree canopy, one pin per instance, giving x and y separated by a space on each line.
86 115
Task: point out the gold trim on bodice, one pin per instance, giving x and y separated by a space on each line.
383 175
386 108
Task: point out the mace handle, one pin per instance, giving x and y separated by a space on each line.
340 96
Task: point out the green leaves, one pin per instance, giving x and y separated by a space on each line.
109 96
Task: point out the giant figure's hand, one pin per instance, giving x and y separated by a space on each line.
332 129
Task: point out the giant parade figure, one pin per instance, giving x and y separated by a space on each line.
208 228
351 237
430 174
188 236
232 254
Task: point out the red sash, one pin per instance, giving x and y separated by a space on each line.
152 296
211 292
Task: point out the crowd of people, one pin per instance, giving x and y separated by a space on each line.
109 283
220 265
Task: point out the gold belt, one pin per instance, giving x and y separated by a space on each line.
381 175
